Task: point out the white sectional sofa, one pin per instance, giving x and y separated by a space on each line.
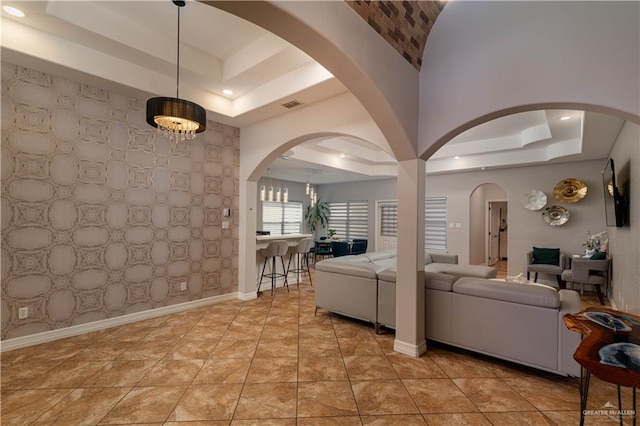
516 322
348 285
521 323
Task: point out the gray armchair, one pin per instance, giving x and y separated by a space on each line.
543 268
586 271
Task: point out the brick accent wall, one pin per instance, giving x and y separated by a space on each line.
405 25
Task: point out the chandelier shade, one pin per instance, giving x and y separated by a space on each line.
176 118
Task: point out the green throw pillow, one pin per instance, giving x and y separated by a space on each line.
599 255
546 256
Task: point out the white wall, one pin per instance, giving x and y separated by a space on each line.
624 243
484 59
526 228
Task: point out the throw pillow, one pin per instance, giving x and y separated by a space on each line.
599 255
427 258
546 256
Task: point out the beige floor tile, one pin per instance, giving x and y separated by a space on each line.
394 420
67 375
207 402
276 332
18 375
83 406
319 347
25 406
326 399
317 331
263 422
102 351
267 401
438 396
193 349
146 350
282 338
142 405
547 394
199 332
457 419
491 395
277 348
223 370
460 365
173 372
234 348
369 368
329 421
376 397
120 373
415 368
321 369
265 370
363 345
567 417
534 418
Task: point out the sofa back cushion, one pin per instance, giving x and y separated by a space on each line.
439 281
427 258
534 295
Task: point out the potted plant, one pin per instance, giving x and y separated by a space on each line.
317 215
332 232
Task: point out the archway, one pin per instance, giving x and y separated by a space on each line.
488 219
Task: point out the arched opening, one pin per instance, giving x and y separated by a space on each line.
488 226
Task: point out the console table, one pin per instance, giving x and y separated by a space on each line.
610 350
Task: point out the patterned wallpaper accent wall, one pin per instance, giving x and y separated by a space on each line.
101 215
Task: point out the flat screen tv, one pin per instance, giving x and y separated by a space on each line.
614 201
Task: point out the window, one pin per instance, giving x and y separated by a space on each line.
282 218
435 222
350 219
389 220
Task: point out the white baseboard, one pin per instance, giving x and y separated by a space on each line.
409 348
248 296
74 330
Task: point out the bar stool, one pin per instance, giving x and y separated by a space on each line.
276 248
301 251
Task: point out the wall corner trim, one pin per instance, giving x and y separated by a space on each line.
75 330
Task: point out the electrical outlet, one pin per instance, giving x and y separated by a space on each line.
225 225
183 286
23 312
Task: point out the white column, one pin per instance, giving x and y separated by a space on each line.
247 240
410 315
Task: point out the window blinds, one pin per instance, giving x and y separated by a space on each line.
350 219
282 218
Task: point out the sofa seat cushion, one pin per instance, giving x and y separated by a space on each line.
356 269
542 296
460 271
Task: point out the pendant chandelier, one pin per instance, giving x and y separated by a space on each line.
176 118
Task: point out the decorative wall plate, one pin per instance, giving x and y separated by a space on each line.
533 199
570 190
555 215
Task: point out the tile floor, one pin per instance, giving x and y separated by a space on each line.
270 361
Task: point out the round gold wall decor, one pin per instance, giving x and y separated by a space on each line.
555 215
570 190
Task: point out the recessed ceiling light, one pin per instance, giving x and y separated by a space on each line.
343 155
565 117
13 11
227 92
457 157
